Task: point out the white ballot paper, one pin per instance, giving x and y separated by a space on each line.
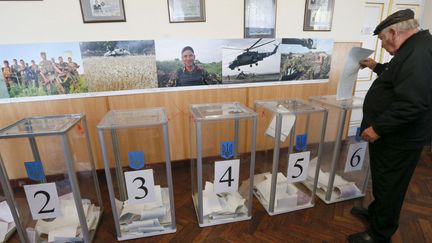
287 123
350 71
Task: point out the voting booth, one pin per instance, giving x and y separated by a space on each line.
344 168
48 163
222 137
290 135
136 155
8 214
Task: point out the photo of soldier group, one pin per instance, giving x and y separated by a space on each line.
37 70
305 58
188 62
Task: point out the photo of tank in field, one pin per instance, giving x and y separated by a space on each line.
305 59
119 65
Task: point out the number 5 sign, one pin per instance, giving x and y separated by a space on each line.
355 158
43 200
226 176
298 164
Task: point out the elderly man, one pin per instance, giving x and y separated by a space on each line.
397 118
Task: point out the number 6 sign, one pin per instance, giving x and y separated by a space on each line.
43 200
355 158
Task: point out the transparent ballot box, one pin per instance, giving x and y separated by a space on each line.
49 168
136 154
222 146
289 145
344 168
8 214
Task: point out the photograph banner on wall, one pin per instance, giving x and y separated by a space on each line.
104 66
251 60
119 65
305 59
188 62
42 69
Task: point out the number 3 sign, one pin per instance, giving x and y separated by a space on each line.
355 158
140 186
43 200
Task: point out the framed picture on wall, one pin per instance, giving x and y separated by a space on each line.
259 18
181 11
318 15
96 11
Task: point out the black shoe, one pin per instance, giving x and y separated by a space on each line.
361 213
362 237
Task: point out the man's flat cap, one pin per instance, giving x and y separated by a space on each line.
395 18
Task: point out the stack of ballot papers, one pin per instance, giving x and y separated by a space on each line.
67 225
138 219
287 195
222 206
341 187
7 223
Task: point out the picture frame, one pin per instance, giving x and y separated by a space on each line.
98 11
318 15
183 11
259 18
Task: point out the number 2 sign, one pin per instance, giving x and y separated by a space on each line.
43 200
355 158
226 176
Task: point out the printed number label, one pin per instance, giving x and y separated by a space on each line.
43 200
140 186
298 164
355 158
226 176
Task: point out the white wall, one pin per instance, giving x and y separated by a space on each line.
61 21
427 15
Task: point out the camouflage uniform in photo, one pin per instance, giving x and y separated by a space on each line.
72 75
48 71
198 76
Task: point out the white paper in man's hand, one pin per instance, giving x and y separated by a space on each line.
350 71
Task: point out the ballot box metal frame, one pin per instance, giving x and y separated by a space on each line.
6 188
65 144
296 103
119 169
197 117
344 106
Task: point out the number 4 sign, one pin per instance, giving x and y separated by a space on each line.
355 158
226 176
43 200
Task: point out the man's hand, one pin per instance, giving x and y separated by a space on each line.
369 135
368 62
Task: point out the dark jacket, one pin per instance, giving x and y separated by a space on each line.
399 103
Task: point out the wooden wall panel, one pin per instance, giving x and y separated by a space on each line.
176 104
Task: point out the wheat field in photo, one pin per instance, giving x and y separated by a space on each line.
120 73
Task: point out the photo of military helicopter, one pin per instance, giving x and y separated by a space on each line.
249 57
251 60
